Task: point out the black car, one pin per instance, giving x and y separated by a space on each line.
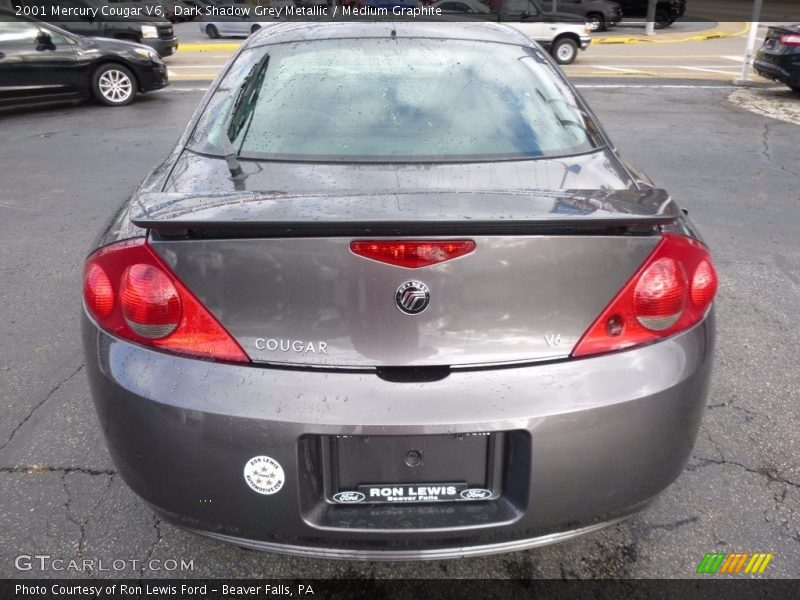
43 63
779 56
667 11
600 14
154 31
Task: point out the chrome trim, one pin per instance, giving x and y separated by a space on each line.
401 555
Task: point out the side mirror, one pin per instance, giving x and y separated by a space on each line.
44 41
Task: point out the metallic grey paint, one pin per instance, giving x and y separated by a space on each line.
315 289
604 435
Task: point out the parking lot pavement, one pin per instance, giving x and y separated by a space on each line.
672 54
737 173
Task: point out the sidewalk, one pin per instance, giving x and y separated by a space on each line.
665 36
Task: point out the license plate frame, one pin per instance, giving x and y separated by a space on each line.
456 481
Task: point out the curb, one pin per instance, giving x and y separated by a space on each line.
209 47
715 34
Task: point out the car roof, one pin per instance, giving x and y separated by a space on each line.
306 31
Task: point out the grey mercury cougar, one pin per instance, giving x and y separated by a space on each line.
395 295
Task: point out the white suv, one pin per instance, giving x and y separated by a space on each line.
563 34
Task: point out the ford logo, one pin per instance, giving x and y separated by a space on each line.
475 494
348 497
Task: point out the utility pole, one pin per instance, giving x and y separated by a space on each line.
747 66
649 28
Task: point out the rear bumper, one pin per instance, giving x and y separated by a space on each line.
164 47
777 72
593 441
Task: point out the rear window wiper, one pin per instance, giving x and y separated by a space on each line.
241 113
246 98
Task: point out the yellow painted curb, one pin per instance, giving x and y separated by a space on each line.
710 35
201 47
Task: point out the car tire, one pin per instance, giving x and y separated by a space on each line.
212 32
596 21
663 20
114 85
254 29
564 50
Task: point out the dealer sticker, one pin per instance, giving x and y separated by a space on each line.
264 475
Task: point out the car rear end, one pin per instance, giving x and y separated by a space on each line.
397 374
778 58
160 36
613 13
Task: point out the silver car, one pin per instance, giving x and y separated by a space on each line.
395 295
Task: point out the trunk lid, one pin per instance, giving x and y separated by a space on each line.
278 272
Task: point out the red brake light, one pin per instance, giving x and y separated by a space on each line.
669 293
97 292
704 284
790 39
412 254
132 293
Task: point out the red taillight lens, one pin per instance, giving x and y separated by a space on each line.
150 303
669 293
133 294
97 292
790 39
659 295
412 254
704 285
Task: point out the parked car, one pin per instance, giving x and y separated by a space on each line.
563 34
395 295
43 63
779 56
462 7
667 11
600 14
155 32
217 26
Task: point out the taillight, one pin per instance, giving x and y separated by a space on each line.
669 293
131 293
97 292
790 39
412 254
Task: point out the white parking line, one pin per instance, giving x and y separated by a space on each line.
621 69
707 70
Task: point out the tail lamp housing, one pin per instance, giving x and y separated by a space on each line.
131 293
670 292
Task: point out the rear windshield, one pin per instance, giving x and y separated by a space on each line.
386 100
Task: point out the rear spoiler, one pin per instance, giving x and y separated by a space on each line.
413 213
